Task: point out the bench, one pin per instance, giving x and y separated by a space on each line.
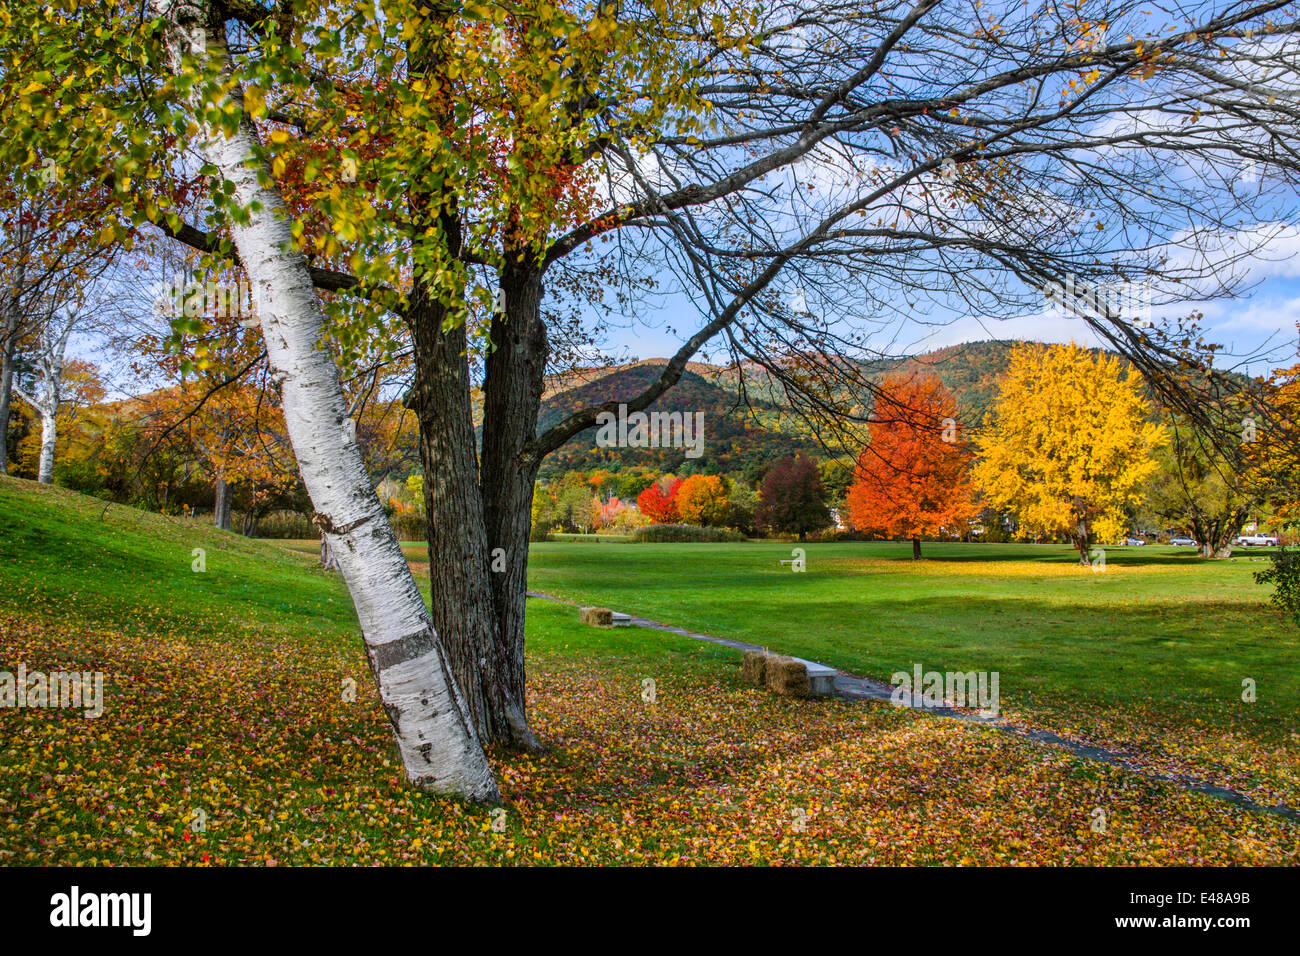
821 679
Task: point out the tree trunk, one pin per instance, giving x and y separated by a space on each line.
49 434
1083 539
223 500
327 559
1219 536
459 560
512 394
6 383
439 747
916 548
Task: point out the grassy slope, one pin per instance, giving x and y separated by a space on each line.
223 695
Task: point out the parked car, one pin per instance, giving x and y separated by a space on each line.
1258 540
1182 541
1133 542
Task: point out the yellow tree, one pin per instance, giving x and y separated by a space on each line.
1069 445
1273 448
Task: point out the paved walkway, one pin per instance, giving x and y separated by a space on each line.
853 687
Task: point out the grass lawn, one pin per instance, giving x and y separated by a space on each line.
1147 656
223 704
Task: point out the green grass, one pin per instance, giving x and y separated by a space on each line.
1159 627
129 569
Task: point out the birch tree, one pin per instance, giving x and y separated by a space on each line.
185 44
439 745
47 397
44 257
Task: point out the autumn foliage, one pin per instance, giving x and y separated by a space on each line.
659 501
913 480
1069 447
793 500
702 500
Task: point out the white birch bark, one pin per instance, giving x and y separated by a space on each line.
435 735
46 402
49 433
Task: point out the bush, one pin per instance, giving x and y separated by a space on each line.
283 524
839 534
1284 575
678 533
408 527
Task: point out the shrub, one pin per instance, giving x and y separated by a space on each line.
840 534
1284 575
408 527
285 524
679 533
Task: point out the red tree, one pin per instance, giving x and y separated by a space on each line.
659 504
913 479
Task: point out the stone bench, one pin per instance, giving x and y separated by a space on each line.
821 679
619 619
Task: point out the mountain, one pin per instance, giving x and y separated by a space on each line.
739 436
736 436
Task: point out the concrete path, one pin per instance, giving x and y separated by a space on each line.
852 687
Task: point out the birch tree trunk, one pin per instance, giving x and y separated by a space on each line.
49 433
46 402
439 746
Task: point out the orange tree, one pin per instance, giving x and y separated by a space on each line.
702 500
914 477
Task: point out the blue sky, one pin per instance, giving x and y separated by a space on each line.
1258 330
